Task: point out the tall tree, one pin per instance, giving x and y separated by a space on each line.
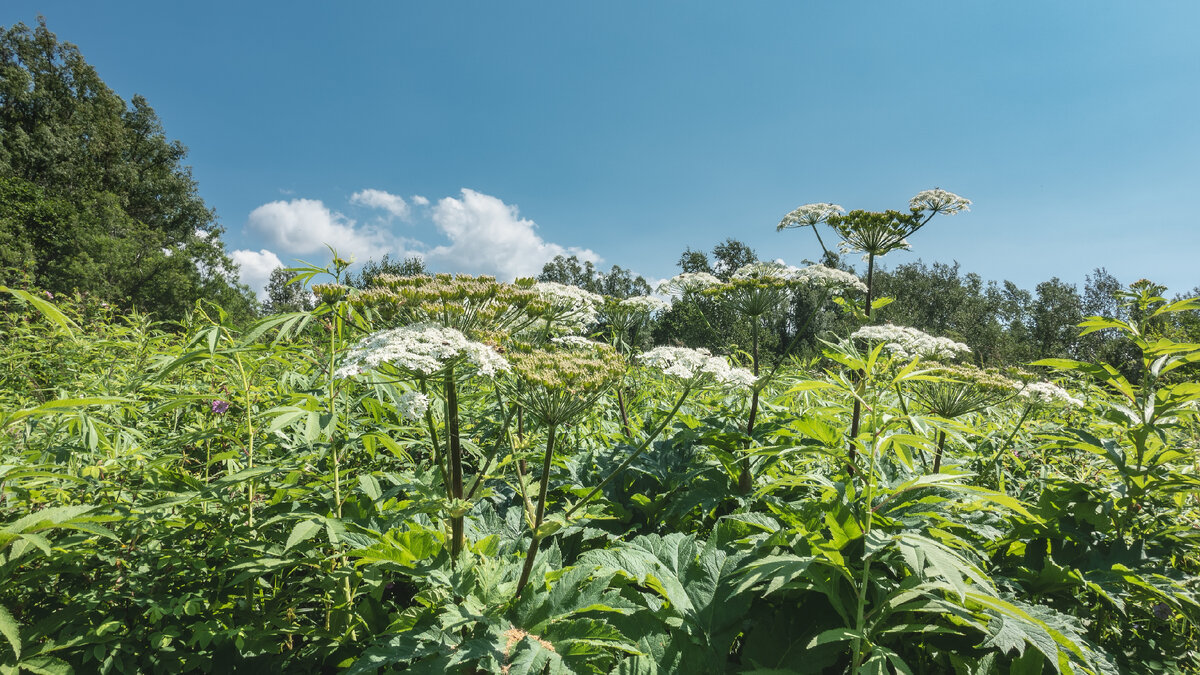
93 196
617 282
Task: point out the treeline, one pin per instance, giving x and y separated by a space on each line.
1001 322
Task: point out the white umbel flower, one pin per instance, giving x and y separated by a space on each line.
575 342
688 281
938 200
696 364
1048 392
810 215
644 304
834 279
909 343
420 349
776 271
412 405
572 305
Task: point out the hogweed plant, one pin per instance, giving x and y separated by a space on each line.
761 292
556 386
431 353
875 234
626 320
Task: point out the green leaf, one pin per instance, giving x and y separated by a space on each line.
10 630
303 531
834 635
48 309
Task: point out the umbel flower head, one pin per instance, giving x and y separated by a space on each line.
570 308
809 215
688 282
959 390
938 200
837 281
558 384
878 233
910 343
473 305
697 367
420 350
1048 393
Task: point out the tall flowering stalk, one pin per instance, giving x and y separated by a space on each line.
557 386
875 234
429 352
762 291
626 319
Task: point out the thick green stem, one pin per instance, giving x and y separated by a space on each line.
531 554
937 456
458 538
746 479
856 417
869 517
624 414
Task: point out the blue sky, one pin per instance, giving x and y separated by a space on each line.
629 131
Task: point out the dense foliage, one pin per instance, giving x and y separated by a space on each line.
438 474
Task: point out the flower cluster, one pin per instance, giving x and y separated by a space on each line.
575 342
644 304
1048 392
420 350
961 389
832 278
570 305
688 281
696 364
938 200
557 385
412 405
762 270
809 215
909 343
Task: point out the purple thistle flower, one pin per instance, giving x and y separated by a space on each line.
220 407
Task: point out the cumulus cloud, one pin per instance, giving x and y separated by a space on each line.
304 226
378 199
488 236
254 268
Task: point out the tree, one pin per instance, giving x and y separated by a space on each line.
570 270
93 196
1056 313
729 256
409 267
283 296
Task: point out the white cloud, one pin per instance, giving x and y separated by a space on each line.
303 226
487 237
254 268
378 199
419 200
